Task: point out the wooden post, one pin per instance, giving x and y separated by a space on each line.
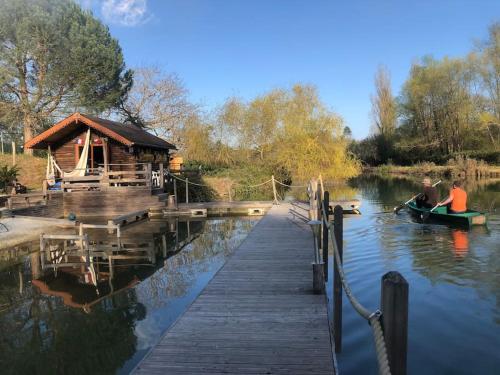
326 204
149 175
321 185
229 192
319 202
187 190
313 208
162 177
164 244
274 191
105 155
36 270
1 140
338 217
394 305
318 278
9 203
175 191
13 153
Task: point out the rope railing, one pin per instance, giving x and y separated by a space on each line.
371 317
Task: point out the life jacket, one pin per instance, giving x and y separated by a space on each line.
459 202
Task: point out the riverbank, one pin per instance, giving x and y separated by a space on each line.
462 169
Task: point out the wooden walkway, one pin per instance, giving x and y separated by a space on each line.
258 315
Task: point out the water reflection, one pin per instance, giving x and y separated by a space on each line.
460 242
69 319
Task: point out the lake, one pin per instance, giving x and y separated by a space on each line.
77 323
453 276
105 321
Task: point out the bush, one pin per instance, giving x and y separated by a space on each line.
7 175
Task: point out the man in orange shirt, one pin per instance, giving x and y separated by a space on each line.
457 200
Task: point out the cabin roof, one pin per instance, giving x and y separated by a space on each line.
127 134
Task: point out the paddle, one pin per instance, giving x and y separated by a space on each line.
426 215
401 206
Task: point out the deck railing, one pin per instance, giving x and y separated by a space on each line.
389 324
117 175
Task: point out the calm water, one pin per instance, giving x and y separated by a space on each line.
76 323
73 323
454 278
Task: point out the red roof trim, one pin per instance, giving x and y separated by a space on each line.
75 118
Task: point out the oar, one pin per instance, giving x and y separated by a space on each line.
401 206
426 215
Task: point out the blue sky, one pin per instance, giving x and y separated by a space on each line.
222 48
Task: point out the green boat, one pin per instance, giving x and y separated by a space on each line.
468 218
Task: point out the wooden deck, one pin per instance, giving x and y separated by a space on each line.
258 315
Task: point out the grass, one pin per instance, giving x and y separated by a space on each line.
31 169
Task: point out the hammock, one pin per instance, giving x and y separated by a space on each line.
79 170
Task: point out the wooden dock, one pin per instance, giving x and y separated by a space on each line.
258 315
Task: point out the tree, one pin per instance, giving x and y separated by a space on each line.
310 138
197 140
54 55
383 104
437 103
347 133
261 122
159 102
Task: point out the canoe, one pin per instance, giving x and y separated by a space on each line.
468 218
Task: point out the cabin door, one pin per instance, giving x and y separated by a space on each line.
97 156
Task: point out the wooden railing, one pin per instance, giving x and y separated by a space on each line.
117 175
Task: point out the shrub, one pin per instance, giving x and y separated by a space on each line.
7 175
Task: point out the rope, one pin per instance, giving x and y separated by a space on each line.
292 186
371 317
235 184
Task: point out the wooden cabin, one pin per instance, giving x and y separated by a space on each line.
91 155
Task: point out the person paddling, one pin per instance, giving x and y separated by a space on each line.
457 200
429 196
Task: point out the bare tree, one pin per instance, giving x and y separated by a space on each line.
383 104
159 102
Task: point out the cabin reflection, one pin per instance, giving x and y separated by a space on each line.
107 263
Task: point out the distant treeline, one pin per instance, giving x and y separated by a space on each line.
447 108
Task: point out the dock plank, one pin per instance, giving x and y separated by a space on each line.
258 315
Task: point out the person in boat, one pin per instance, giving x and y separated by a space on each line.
429 197
457 201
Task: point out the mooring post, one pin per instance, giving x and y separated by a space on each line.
394 306
187 190
326 204
338 217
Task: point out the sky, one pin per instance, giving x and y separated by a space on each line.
223 48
